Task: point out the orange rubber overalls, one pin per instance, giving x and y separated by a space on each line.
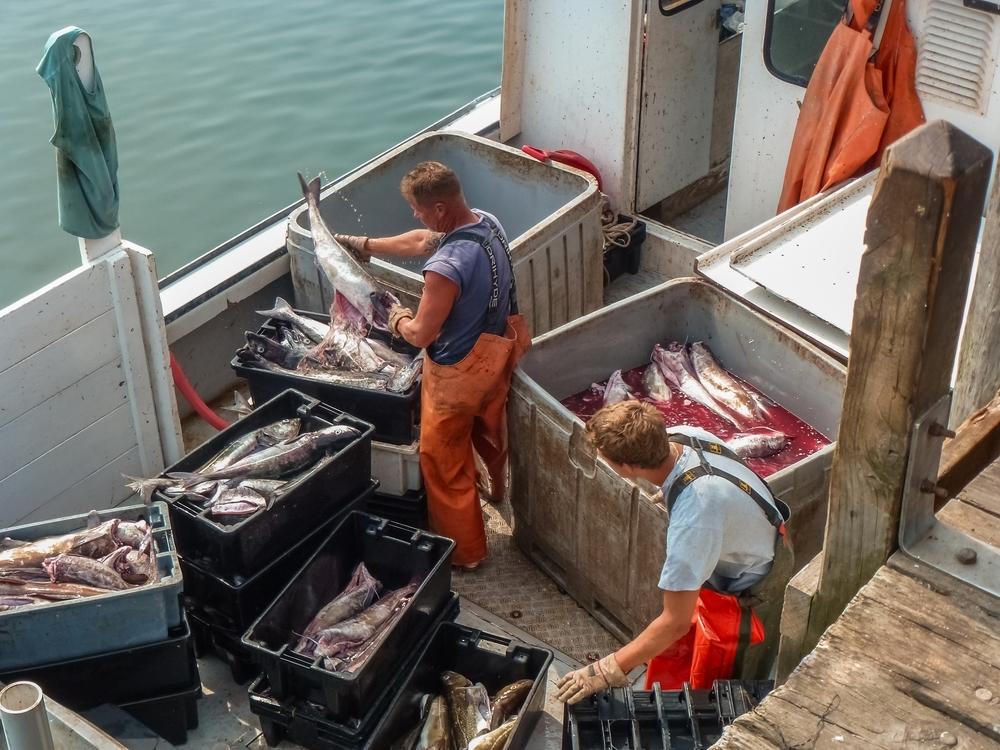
859 101
729 633
464 407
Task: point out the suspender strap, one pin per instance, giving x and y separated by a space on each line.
774 516
487 245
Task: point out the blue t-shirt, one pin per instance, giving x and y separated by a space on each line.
465 262
716 533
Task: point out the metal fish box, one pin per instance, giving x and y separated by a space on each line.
47 633
551 214
568 503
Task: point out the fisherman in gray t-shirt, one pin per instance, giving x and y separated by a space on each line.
724 539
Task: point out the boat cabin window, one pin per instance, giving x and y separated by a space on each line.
797 31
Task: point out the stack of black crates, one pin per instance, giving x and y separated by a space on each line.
232 572
394 416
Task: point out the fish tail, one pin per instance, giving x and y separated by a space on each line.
186 479
310 189
280 305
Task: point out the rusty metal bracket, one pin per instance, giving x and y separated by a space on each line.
924 537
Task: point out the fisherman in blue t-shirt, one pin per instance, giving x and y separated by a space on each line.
726 557
467 320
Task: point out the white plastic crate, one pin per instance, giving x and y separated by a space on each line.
396 467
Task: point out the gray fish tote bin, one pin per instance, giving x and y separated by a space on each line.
58 631
568 502
331 487
396 555
551 214
393 415
482 657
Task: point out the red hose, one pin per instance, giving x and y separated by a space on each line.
191 396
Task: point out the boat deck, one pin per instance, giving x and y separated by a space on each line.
914 661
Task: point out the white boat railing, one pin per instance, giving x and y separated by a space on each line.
85 389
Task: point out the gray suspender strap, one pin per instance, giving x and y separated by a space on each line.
774 516
487 246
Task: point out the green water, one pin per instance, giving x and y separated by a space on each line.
216 105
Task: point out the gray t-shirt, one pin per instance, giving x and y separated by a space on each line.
466 263
716 532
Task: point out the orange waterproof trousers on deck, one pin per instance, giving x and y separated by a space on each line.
464 406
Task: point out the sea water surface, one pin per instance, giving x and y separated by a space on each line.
217 105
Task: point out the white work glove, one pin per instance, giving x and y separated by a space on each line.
356 244
601 675
397 315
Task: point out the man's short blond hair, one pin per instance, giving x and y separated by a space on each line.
429 182
630 432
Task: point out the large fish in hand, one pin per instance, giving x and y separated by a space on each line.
345 272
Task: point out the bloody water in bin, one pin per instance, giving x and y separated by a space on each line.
803 440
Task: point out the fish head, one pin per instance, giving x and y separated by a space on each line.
267 348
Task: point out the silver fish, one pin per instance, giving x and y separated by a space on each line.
235 501
435 733
616 390
404 378
347 275
494 739
350 634
654 383
508 701
275 351
344 346
468 706
360 591
386 353
375 381
723 387
278 459
678 371
759 442
93 542
315 330
78 569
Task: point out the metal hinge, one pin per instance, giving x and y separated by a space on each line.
924 537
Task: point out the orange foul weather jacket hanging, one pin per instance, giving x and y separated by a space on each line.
861 97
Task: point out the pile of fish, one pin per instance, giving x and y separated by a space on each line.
466 717
248 474
113 555
338 353
696 374
345 632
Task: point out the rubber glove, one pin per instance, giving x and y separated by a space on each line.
397 315
601 675
356 244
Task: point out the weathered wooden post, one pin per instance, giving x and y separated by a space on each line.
920 242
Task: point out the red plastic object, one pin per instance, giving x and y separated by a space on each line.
565 156
191 396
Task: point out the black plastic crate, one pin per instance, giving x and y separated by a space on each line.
482 657
234 606
306 724
117 676
658 720
394 415
395 555
223 643
619 260
171 716
237 551
409 509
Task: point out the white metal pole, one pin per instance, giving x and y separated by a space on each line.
25 720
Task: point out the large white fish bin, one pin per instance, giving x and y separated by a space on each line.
551 215
601 537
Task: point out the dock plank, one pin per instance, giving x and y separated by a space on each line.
919 654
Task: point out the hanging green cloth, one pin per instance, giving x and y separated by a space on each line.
86 154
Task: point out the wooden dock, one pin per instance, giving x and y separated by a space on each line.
914 661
